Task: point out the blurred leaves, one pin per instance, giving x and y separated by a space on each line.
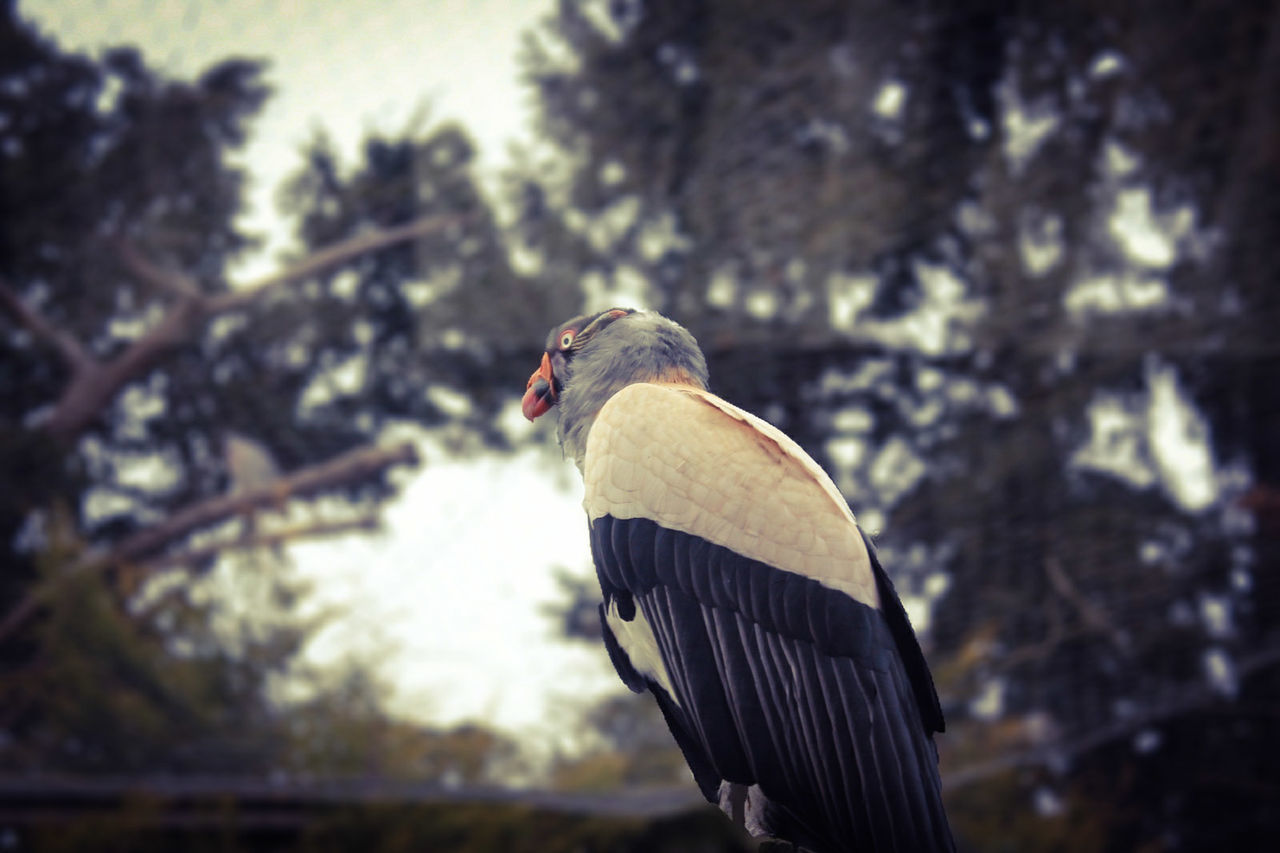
127 360
626 745
342 731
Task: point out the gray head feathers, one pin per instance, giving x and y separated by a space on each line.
640 347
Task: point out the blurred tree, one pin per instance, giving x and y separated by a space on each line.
343 731
438 329
1008 271
624 743
125 356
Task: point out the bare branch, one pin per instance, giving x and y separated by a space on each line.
95 385
1091 614
171 281
367 523
332 256
69 349
92 389
352 466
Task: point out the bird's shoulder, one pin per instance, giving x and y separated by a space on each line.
692 462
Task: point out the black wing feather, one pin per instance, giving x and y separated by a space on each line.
857 705
917 669
769 681
823 702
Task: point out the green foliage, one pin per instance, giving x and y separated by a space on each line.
102 693
343 731
630 747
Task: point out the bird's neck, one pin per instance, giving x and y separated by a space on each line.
579 406
636 348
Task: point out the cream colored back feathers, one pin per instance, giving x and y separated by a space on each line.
692 462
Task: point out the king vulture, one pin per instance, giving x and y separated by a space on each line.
740 593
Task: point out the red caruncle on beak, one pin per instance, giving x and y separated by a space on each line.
540 392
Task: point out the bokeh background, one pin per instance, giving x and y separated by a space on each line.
283 568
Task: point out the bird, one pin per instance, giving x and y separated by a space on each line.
249 462
738 590
251 466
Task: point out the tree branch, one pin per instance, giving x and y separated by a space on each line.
92 390
332 256
1091 614
352 466
367 523
171 281
95 385
69 349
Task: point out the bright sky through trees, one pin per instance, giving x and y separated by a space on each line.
466 561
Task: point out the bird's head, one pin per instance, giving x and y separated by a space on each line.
590 358
564 342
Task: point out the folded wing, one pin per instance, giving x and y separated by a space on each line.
740 592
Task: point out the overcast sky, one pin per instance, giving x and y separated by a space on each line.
448 599
342 66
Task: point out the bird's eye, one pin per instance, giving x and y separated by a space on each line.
566 338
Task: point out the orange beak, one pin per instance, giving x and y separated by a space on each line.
540 392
